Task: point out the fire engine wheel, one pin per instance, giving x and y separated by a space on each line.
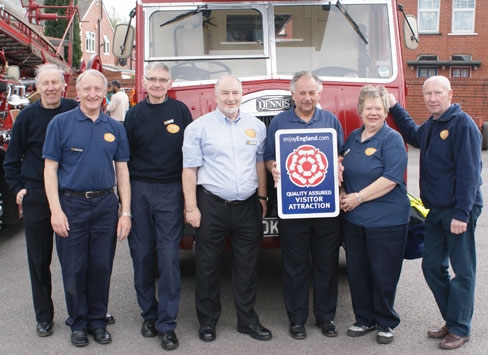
484 132
191 71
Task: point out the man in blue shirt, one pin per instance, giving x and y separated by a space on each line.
80 150
300 239
450 180
224 184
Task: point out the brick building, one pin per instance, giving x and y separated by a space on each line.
452 42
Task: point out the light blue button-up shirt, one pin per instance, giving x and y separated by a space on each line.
225 153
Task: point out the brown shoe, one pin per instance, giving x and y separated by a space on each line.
453 341
438 333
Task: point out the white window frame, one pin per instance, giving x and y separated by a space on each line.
459 8
428 11
461 70
106 44
430 70
90 42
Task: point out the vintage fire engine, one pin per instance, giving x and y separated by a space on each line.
347 43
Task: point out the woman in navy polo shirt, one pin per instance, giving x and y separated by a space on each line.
376 214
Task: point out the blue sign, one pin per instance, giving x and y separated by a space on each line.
307 161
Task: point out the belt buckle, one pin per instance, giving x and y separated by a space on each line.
89 194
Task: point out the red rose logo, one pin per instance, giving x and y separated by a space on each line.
307 166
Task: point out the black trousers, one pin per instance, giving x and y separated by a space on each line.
310 249
39 242
244 226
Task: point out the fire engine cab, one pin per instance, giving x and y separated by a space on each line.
347 43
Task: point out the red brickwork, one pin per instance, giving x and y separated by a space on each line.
91 22
471 93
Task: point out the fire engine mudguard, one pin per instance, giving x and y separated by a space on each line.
9 209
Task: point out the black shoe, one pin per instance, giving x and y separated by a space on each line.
79 338
206 333
297 331
329 329
256 331
148 328
45 329
110 319
169 341
100 335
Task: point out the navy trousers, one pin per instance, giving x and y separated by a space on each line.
86 258
39 241
310 249
454 296
154 240
374 257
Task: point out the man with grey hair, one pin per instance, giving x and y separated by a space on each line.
24 168
307 241
80 149
155 129
450 180
224 183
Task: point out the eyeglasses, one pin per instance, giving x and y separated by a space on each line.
153 80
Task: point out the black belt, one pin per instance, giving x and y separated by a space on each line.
87 194
227 202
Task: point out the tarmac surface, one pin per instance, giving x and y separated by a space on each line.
414 303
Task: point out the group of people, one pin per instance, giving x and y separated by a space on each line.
78 173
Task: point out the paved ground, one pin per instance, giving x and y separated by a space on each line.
415 304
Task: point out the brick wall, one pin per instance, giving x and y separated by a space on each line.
471 93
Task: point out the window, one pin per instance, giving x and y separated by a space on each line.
426 72
460 72
90 42
106 44
429 16
463 16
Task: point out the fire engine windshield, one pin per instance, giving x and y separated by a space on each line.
349 40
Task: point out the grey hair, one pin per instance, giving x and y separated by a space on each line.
157 66
373 92
219 80
43 67
91 72
306 74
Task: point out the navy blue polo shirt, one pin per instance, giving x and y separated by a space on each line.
290 120
85 150
382 155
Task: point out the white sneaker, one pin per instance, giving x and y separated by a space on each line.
385 335
356 330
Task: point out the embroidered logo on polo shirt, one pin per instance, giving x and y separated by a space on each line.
251 133
173 128
444 134
370 151
109 137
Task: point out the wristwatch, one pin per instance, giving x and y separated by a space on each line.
264 198
358 197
